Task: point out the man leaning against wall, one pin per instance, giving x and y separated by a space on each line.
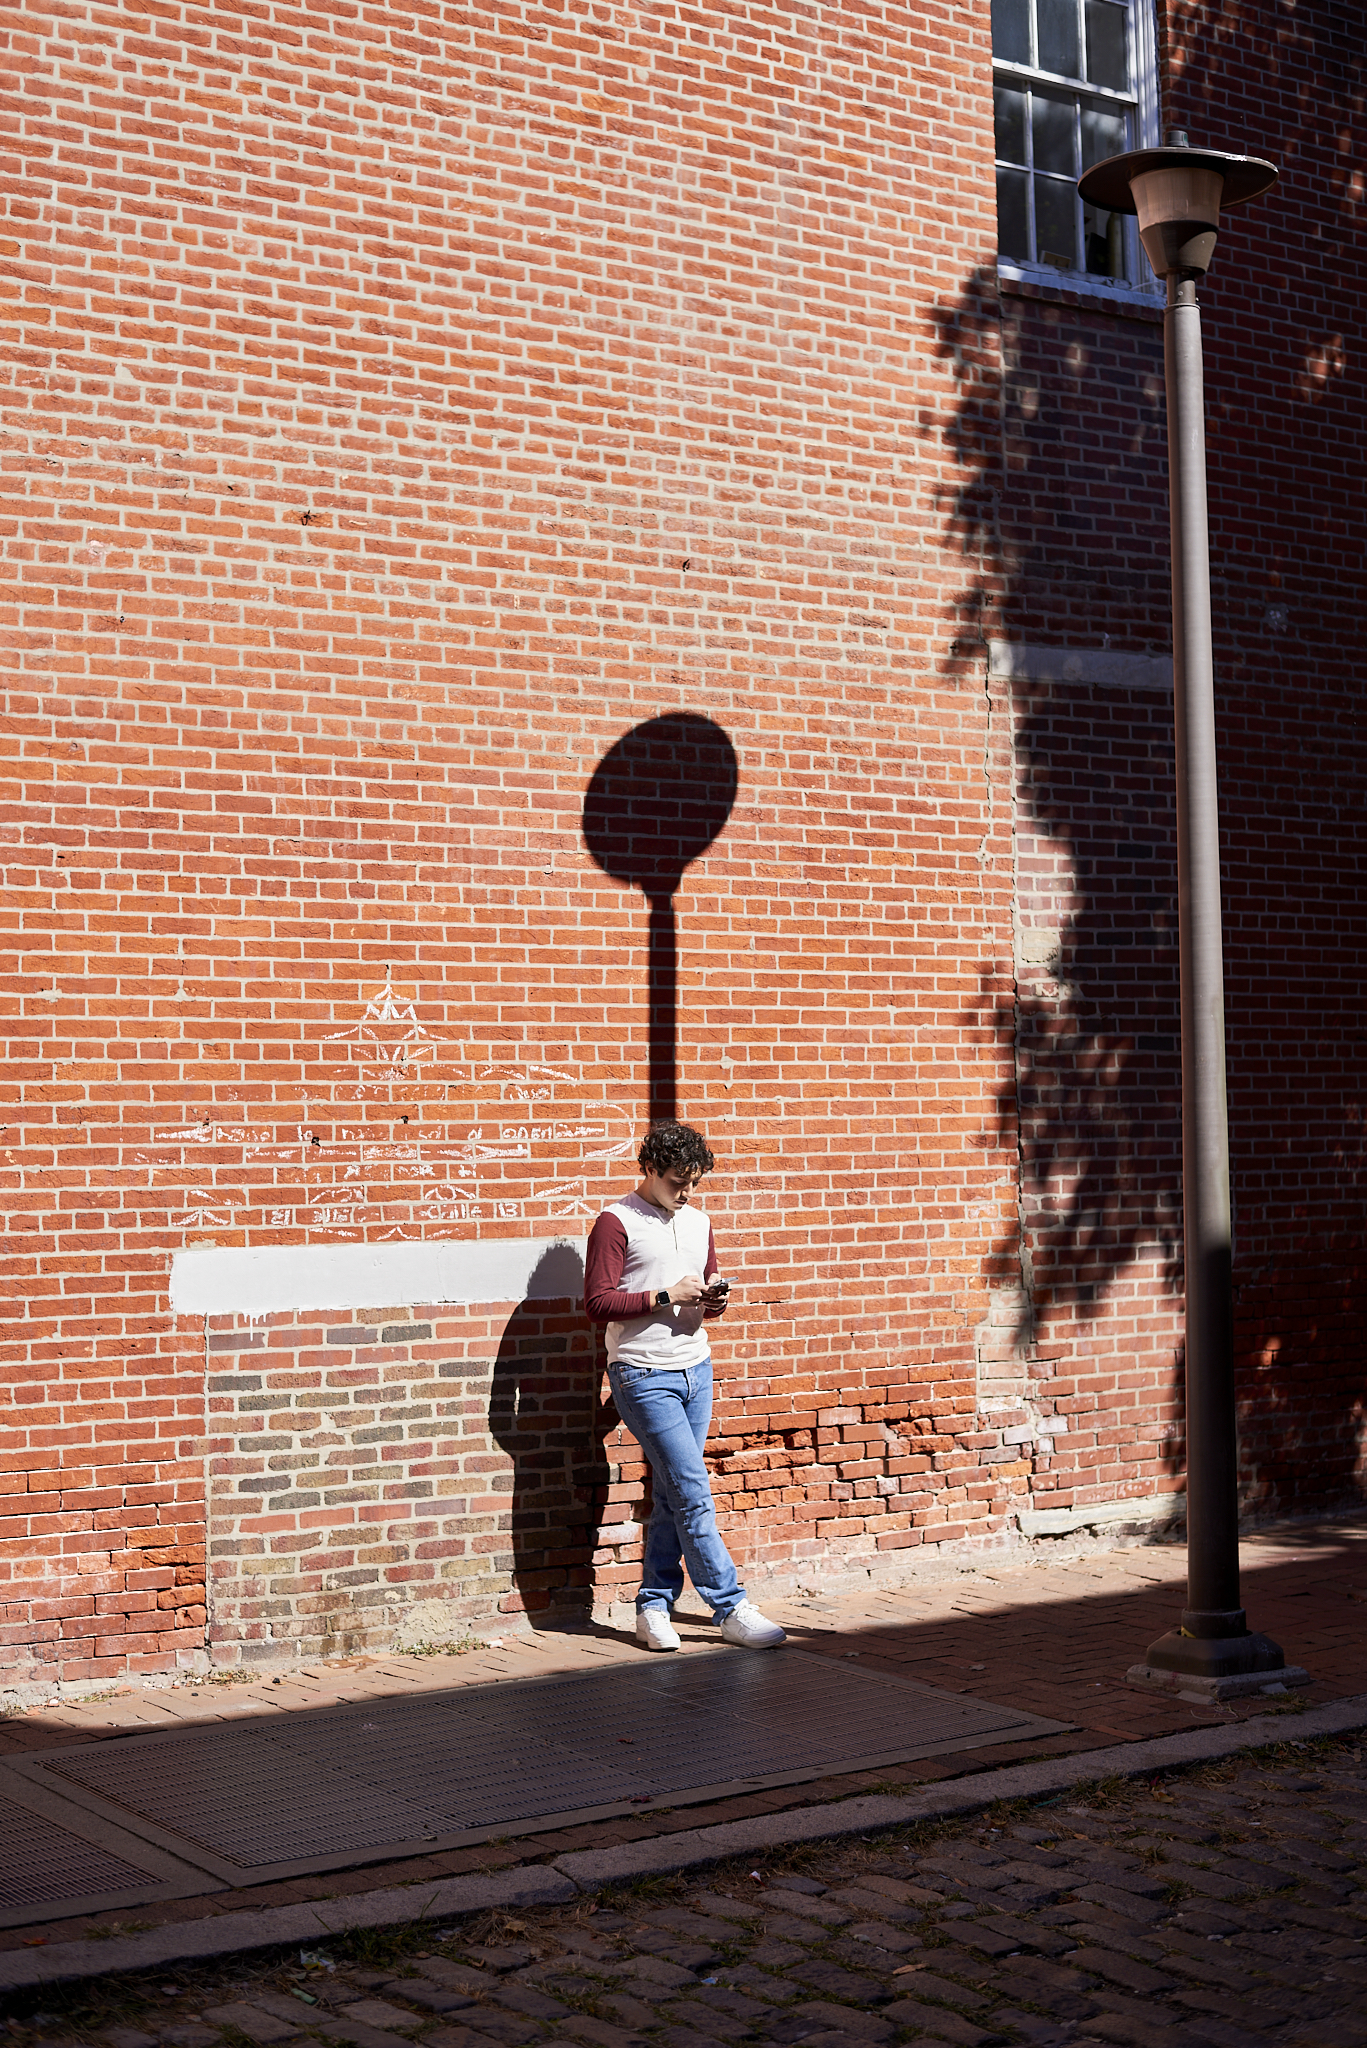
651 1278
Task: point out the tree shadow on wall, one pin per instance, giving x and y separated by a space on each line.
546 1413
1058 507
1097 1024
1068 553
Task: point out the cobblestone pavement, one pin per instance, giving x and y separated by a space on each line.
1221 1905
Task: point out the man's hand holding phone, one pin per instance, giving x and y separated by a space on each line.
712 1294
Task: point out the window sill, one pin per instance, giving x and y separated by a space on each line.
1128 302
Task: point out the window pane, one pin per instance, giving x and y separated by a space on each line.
1103 135
1056 223
1013 228
1106 60
1104 235
1058 50
1011 31
1053 126
1010 112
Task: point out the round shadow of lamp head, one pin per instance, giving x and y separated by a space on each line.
658 799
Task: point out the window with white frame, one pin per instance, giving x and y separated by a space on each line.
1073 81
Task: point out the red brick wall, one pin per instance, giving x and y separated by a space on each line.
401 404
1288 431
429 1468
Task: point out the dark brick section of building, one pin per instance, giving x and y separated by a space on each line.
1073 525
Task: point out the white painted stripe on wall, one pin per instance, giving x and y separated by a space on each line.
272 1279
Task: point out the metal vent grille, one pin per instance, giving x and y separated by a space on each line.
345 1783
46 1861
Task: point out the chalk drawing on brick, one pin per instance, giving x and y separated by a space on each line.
392 1134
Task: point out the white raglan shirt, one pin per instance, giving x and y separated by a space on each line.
659 1249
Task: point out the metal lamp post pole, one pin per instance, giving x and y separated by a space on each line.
1213 1609
1177 193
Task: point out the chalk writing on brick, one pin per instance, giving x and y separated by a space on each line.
393 1134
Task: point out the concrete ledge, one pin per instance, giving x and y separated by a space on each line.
229 1933
1150 1507
1102 666
593 1867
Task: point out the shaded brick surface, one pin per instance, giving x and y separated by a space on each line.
1267 1972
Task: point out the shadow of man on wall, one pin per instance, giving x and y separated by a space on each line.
545 1411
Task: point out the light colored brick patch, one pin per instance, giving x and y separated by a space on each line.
360 1468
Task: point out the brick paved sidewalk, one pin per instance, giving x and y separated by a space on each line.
1212 1908
1054 1639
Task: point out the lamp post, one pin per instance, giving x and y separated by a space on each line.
1178 192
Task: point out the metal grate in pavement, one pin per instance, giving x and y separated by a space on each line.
50 1859
318 1790
237 1790
40 1853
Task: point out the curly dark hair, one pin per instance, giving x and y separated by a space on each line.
669 1147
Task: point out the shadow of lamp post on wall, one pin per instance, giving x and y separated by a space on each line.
657 800
1177 192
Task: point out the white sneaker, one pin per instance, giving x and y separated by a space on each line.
655 1629
750 1629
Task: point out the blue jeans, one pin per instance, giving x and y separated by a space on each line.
668 1414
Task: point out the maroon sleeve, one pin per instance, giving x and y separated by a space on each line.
604 1300
711 1265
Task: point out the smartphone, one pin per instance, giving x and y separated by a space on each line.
717 1289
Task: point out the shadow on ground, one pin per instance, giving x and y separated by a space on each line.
1048 1639
1045 1637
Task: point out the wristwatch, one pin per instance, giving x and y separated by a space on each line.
662 1299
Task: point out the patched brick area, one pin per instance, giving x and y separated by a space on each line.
356 1471
418 1455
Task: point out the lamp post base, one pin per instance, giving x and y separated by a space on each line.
1231 1685
1214 1655
1216 1666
